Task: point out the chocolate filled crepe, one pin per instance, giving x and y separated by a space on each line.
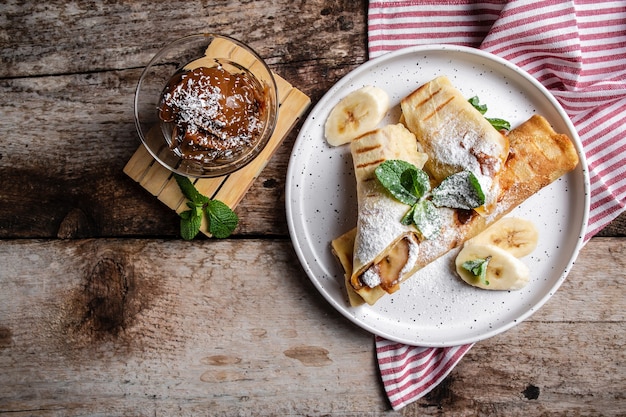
536 155
385 250
455 136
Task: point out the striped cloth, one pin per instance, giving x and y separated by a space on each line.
576 49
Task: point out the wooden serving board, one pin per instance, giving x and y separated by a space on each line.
229 189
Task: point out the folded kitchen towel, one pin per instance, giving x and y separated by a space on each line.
577 50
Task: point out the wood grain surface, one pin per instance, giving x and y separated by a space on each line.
105 311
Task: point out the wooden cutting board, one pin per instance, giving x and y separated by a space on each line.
229 189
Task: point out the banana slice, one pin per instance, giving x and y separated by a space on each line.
503 271
356 114
517 236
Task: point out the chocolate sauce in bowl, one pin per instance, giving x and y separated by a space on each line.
213 114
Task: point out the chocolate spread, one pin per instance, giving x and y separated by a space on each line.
214 114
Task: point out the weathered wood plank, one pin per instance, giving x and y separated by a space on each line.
68 86
132 325
157 321
152 327
60 37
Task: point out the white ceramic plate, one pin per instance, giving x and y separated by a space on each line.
434 307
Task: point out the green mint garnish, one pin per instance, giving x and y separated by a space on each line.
461 190
426 219
498 124
402 180
190 224
478 268
475 101
189 190
221 219
411 185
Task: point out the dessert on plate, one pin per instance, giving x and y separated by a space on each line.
444 136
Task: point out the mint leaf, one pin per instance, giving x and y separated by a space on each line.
403 180
426 219
415 181
189 190
499 124
189 224
197 208
478 268
461 190
475 101
222 220
407 219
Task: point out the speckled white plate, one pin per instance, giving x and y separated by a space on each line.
434 307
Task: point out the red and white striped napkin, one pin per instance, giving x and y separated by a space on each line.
576 49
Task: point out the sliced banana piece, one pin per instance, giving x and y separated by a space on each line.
356 114
517 236
503 272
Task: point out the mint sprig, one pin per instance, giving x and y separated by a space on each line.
498 124
478 268
461 190
426 219
190 222
189 190
411 185
402 180
221 220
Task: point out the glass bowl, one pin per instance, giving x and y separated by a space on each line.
202 132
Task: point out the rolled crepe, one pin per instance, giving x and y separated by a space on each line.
343 248
455 136
538 156
385 250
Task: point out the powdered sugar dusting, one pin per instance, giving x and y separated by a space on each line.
412 259
468 150
371 278
433 248
378 223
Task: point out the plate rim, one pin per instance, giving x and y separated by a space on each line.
421 49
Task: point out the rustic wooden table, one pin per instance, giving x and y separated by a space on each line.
104 310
